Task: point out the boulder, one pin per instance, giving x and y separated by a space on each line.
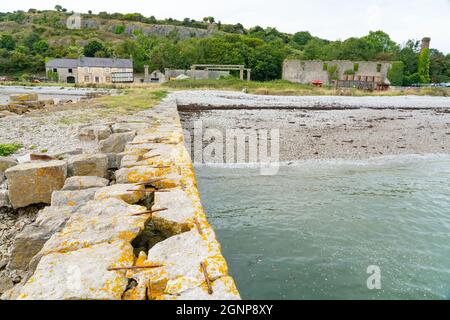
181 256
17 108
4 198
96 222
23 97
34 182
84 182
180 211
94 132
223 288
116 142
5 284
129 126
73 198
81 274
33 237
130 193
6 163
88 165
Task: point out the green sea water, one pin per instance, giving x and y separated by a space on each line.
312 230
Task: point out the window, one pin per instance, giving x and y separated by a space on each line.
356 67
86 69
379 67
108 79
107 70
325 66
86 78
55 70
70 70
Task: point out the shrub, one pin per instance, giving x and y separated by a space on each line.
395 74
9 148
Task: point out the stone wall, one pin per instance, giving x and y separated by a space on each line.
305 71
196 74
140 234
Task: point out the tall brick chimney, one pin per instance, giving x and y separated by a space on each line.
425 43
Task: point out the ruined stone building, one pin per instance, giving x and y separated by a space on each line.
91 70
74 21
307 71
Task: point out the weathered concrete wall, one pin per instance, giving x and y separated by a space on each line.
305 71
196 74
145 237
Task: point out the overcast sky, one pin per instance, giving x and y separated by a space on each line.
330 19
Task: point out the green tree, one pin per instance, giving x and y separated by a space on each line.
7 42
300 39
58 8
94 47
395 74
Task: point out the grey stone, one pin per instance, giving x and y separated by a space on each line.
129 126
34 182
88 165
98 221
116 142
84 182
6 163
81 274
72 198
4 199
33 237
5 284
130 193
94 132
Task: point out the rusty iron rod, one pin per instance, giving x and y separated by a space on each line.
135 267
150 157
205 274
149 181
198 226
149 212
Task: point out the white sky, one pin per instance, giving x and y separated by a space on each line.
329 19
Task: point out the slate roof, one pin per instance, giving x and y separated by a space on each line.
90 62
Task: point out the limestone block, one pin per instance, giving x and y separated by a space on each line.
33 237
145 173
94 132
23 97
223 288
84 182
129 126
18 108
181 256
81 274
34 182
6 163
179 215
73 198
127 192
88 165
116 142
98 221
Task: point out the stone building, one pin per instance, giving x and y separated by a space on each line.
91 70
307 71
74 21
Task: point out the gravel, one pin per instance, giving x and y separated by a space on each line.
228 98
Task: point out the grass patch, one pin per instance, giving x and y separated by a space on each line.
286 88
7 149
131 100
